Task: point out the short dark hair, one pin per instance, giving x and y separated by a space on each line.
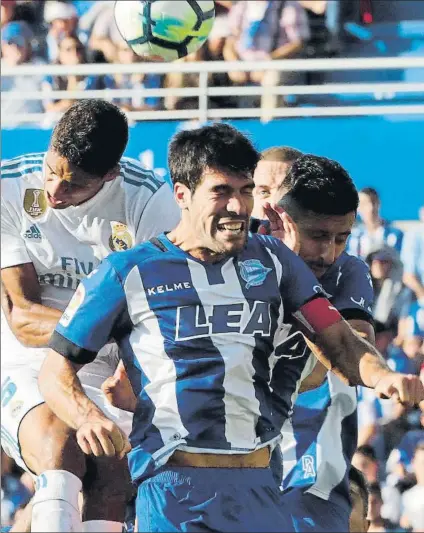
367 451
92 135
281 154
358 484
319 185
372 193
218 146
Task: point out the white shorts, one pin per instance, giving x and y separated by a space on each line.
20 394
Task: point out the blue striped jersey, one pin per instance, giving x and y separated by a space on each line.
197 340
361 242
66 245
320 438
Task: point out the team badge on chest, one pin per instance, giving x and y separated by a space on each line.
121 238
253 272
35 202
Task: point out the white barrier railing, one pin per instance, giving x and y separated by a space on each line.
380 91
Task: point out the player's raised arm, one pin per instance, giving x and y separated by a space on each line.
86 325
336 344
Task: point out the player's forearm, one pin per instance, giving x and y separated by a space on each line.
353 359
62 390
33 325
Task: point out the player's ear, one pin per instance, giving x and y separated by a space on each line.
182 195
112 174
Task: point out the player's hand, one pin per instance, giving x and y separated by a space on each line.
404 388
100 436
118 390
282 226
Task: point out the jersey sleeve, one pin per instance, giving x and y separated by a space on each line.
91 317
13 251
159 215
355 294
298 283
303 296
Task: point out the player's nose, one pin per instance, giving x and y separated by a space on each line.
237 205
59 190
328 254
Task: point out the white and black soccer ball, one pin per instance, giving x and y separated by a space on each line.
165 29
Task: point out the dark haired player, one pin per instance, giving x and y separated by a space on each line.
62 212
198 313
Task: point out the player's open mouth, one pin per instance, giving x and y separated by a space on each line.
234 228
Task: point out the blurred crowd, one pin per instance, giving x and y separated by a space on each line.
391 438
84 31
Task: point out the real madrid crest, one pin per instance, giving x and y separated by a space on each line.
35 202
121 238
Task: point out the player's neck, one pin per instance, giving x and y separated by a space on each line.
189 243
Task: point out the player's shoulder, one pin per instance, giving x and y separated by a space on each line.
140 256
137 179
268 244
347 263
22 166
21 173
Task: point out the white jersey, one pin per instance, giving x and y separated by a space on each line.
66 245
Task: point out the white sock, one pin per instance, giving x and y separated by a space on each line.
100 526
55 503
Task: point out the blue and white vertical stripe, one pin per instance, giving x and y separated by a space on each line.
317 455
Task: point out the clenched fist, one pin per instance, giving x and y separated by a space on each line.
404 388
118 390
100 436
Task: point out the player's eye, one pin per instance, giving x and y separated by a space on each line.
263 193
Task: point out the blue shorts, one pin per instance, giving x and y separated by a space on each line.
310 513
211 499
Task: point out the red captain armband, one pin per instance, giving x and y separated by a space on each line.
317 315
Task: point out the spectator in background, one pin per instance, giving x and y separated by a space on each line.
269 176
126 56
104 32
375 503
266 30
358 493
62 20
16 49
399 468
413 261
409 354
386 274
221 28
413 499
71 52
365 460
373 232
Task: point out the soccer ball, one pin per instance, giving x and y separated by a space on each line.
164 29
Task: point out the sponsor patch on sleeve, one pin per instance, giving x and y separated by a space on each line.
73 306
